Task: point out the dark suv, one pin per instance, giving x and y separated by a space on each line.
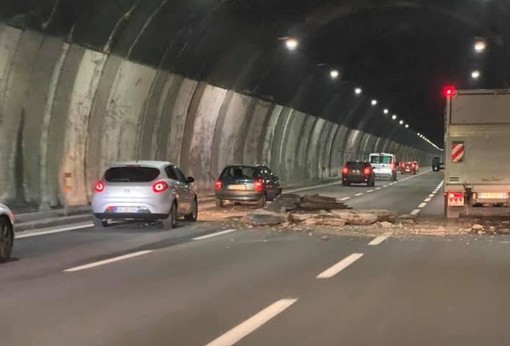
436 164
358 173
246 183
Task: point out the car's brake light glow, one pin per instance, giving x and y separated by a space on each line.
258 185
218 185
99 186
160 186
345 170
367 171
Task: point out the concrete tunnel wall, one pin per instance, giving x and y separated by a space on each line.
67 112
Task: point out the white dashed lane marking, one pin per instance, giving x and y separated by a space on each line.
108 261
379 239
337 268
233 336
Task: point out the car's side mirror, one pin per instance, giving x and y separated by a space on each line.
189 180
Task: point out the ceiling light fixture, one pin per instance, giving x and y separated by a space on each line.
480 45
291 44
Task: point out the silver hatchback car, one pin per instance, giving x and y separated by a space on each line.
144 190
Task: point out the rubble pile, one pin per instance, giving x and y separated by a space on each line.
317 210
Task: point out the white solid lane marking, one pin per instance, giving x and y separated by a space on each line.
337 268
237 333
47 231
422 205
415 212
215 234
345 198
359 194
108 261
379 239
370 191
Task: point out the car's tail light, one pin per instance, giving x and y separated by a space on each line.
345 170
159 186
218 185
99 186
367 171
258 185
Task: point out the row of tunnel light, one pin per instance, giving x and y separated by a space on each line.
479 47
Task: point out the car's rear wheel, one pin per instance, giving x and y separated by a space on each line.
193 216
261 203
99 223
220 203
6 239
171 221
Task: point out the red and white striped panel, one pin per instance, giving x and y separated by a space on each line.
457 152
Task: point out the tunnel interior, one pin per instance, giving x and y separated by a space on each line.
204 83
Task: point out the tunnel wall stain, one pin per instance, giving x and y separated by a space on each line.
78 110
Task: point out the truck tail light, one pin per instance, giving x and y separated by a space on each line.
455 199
159 186
99 186
218 185
258 185
345 170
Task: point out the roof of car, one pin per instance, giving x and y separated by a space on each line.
157 164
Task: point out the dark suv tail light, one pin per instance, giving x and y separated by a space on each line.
367 171
345 170
258 185
218 185
99 186
159 186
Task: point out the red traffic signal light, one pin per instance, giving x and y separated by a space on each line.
449 91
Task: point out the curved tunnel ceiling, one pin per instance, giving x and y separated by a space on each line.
400 52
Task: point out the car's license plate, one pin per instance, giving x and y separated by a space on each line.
129 210
237 187
492 195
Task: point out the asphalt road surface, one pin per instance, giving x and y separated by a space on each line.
203 285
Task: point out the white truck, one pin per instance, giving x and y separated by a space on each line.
477 152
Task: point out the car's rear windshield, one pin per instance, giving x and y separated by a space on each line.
381 159
135 174
356 165
239 172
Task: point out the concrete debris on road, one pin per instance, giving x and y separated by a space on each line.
477 227
386 224
315 210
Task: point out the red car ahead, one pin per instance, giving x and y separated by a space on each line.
409 167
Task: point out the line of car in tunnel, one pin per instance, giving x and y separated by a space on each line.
159 191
